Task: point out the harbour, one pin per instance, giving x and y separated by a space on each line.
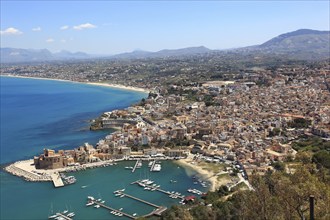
92 182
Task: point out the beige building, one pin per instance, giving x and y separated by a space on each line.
50 160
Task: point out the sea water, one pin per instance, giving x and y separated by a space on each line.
37 114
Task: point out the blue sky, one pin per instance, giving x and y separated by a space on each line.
110 27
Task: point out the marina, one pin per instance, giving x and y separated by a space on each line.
144 183
118 212
88 185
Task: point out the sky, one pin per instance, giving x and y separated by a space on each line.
112 27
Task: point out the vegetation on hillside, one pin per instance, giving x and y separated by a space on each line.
277 195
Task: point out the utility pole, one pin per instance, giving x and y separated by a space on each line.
311 207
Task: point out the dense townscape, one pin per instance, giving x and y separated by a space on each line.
250 117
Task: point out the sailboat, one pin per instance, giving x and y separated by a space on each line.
51 211
66 210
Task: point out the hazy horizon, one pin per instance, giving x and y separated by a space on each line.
116 27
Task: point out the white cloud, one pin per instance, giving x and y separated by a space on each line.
11 31
63 41
65 27
84 26
36 29
50 40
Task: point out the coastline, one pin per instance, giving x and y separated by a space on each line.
24 168
103 84
117 86
206 174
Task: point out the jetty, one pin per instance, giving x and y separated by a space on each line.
152 165
153 188
158 211
136 165
113 209
63 216
57 180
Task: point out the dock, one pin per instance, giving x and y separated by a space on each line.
137 199
152 166
158 211
63 216
161 190
135 166
113 209
57 180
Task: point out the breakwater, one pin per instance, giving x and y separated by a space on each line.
27 170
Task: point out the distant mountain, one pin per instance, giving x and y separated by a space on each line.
303 43
133 55
14 55
183 51
163 53
68 55
300 44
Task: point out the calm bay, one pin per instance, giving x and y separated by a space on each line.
44 113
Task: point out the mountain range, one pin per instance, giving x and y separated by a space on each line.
300 44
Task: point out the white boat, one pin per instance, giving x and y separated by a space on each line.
129 168
52 216
90 203
122 196
83 187
97 206
65 211
99 200
90 197
120 209
150 164
157 167
103 202
71 214
52 213
134 214
141 184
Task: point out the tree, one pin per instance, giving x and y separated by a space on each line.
279 166
176 213
294 191
202 212
322 158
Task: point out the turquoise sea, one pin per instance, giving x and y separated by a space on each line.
44 113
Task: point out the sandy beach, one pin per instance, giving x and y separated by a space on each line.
206 174
116 86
